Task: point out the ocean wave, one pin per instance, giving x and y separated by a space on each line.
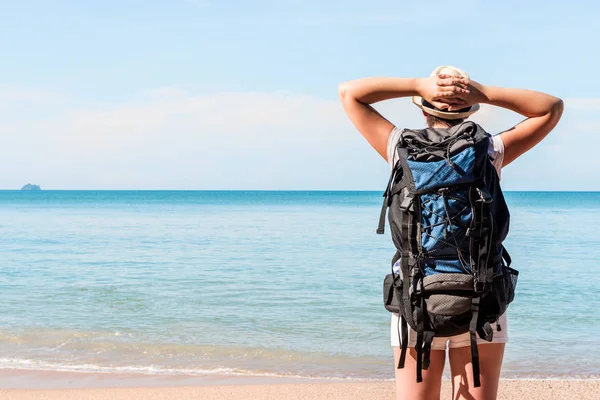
35 365
152 370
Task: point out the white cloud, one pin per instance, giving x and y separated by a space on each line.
12 96
566 159
584 104
171 139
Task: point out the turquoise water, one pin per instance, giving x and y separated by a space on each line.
263 283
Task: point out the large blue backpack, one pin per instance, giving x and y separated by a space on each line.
448 219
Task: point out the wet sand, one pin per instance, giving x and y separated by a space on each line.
30 385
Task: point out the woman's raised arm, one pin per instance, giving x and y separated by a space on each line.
358 95
542 110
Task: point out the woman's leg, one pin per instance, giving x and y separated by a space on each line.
490 363
407 387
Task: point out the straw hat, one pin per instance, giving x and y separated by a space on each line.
432 110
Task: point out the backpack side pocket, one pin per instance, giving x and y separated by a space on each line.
392 290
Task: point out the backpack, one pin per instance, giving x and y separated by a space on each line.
448 219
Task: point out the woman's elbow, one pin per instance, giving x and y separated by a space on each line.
343 89
347 90
557 108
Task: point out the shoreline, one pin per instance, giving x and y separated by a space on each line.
27 379
57 385
22 378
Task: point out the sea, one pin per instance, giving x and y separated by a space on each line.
261 283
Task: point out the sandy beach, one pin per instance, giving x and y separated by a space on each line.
33 385
514 389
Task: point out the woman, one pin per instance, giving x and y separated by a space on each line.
446 98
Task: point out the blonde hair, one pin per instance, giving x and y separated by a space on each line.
441 122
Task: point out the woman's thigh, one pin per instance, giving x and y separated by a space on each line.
407 387
490 364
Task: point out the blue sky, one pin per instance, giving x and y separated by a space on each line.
203 94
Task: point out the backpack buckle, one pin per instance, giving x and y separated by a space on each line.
484 195
407 201
480 287
418 286
473 233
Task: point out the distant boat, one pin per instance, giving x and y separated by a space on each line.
31 188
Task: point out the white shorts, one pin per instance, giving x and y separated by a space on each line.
441 343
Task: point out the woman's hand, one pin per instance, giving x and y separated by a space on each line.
445 92
473 94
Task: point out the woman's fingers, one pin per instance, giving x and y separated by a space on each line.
453 82
449 103
456 107
456 85
446 90
441 106
450 91
450 80
454 102
446 76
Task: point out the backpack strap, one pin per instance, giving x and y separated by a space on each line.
402 324
405 231
485 332
424 337
473 337
420 330
481 238
506 257
427 340
403 327
386 198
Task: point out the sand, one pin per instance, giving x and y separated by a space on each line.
509 389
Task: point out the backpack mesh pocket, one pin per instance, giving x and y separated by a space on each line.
503 289
511 276
448 299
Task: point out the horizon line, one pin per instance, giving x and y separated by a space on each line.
271 190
